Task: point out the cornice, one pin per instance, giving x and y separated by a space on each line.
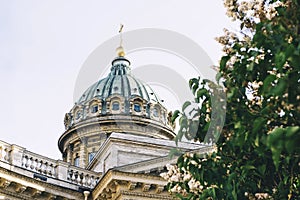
23 183
130 182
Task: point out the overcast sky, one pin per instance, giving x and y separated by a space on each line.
43 45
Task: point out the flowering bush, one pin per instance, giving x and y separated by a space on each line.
258 154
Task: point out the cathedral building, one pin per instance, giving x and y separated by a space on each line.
116 142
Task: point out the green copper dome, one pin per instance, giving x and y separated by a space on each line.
118 103
119 94
119 82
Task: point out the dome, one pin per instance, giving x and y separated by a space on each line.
120 93
117 103
119 82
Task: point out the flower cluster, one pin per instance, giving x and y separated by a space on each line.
258 196
228 40
182 181
251 11
174 174
252 93
248 13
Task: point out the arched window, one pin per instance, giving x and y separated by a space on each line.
91 156
78 114
94 108
155 112
76 161
115 105
137 107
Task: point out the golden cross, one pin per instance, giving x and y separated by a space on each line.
120 31
121 28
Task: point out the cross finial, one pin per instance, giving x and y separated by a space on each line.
120 49
121 28
120 32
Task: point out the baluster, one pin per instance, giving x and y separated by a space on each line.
54 171
50 169
6 157
92 181
31 163
23 161
45 167
42 166
36 164
83 180
27 162
73 176
78 178
39 166
69 175
88 182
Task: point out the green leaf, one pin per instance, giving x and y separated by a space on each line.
289 50
223 62
195 88
201 92
267 82
250 67
193 81
175 115
183 122
237 125
292 139
280 59
257 124
275 141
218 76
185 105
234 193
256 142
178 136
193 129
262 169
279 88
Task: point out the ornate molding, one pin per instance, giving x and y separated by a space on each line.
4 183
115 184
22 187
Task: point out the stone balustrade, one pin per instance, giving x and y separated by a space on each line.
16 156
39 164
82 177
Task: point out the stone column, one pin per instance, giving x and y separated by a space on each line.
83 153
70 153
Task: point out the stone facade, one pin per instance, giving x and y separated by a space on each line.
116 143
132 166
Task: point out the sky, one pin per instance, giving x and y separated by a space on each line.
44 44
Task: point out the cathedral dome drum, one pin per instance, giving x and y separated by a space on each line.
117 103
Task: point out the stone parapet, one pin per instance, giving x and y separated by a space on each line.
57 172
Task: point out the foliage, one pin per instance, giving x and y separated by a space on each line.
257 154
